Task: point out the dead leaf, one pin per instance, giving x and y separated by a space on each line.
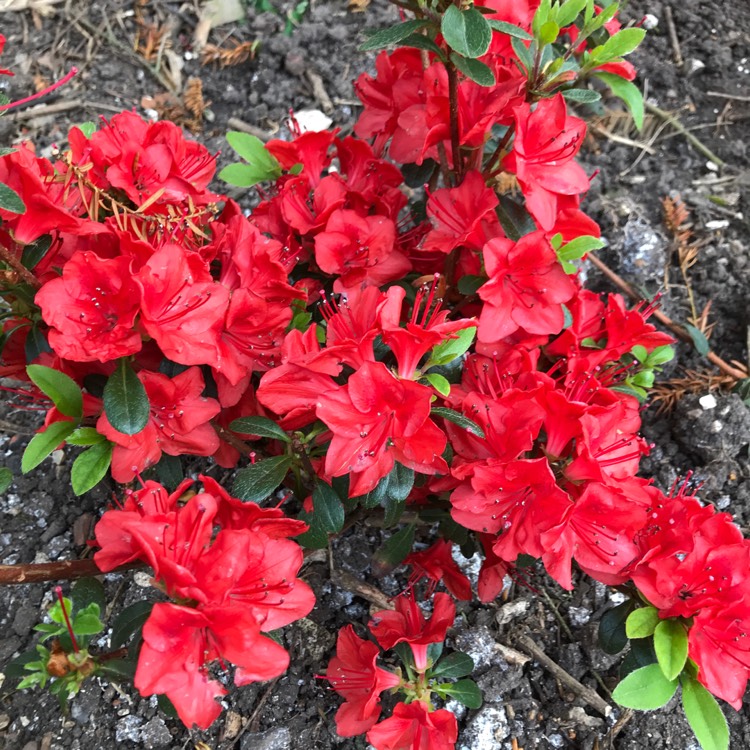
216 13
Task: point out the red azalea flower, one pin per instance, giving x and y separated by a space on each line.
376 420
436 563
493 571
178 424
414 727
408 625
92 309
525 290
183 309
719 643
425 329
459 216
545 142
354 676
178 645
360 250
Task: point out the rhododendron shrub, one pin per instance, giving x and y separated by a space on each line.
399 323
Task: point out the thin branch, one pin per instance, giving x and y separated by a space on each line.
59 570
7 257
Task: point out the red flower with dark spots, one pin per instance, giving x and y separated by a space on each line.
413 726
178 424
408 625
355 676
376 420
92 309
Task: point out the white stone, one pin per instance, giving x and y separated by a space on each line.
708 401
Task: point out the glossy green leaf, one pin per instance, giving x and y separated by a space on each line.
470 284
392 35
87 591
568 12
396 548
401 481
549 32
62 389
32 254
466 692
453 666
90 467
466 31
514 219
458 419
420 41
6 479
671 646
261 426
439 383
705 716
642 622
10 200
621 44
125 401
129 622
259 480
612 636
85 436
263 165
523 53
476 70
452 348
43 443
645 689
627 91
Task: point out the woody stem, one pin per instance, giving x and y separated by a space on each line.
453 101
60 570
499 150
7 257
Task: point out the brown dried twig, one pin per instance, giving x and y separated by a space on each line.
677 220
669 392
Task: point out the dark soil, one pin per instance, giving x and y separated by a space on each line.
40 520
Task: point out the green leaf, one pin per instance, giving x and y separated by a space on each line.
549 32
118 668
377 495
17 667
705 716
585 96
394 509
32 254
125 401
401 481
742 389
699 339
612 636
259 426
256 482
627 91
568 12
641 654
470 284
474 69
640 353
660 356
87 624
6 479
671 646
508 28
62 389
523 53
90 467
398 546
576 249
87 128
439 383
621 44
452 348
88 591
642 622
466 31
169 471
419 41
514 219
458 419
453 666
645 689
392 35
43 443
85 436
261 166
36 343
327 508
128 622
464 691
10 200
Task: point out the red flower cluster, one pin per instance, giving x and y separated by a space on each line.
229 588
354 675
